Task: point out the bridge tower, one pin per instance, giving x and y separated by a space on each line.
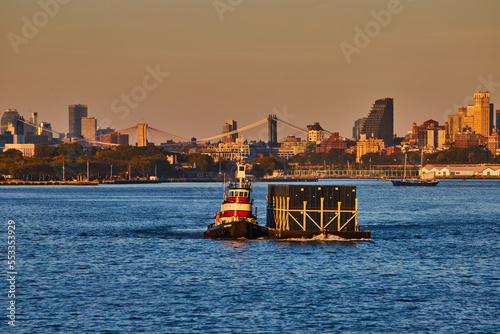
272 132
142 137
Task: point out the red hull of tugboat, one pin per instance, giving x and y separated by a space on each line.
236 229
236 218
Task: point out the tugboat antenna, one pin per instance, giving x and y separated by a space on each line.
224 187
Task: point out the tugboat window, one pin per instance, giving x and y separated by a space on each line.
241 194
242 168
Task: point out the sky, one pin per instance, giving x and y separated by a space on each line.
187 66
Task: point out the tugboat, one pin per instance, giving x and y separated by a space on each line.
236 218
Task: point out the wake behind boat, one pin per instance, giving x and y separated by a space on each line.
236 218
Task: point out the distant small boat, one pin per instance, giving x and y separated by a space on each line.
415 183
404 182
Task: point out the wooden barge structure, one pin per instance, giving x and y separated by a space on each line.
304 211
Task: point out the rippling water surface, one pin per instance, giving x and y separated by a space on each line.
132 258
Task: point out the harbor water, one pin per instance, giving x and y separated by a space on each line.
132 259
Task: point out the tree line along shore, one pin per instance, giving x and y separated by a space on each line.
69 162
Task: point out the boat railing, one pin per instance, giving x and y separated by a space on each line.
240 184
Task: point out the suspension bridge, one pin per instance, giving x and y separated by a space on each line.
146 133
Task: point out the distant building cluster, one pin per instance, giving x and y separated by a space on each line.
84 129
473 125
18 133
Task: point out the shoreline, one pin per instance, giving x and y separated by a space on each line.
117 182
48 183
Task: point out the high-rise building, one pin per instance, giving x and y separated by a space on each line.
234 127
429 135
498 119
8 118
460 123
100 132
226 128
16 128
34 118
469 139
333 142
436 138
356 129
370 145
32 128
76 113
46 129
456 123
380 122
229 126
494 142
315 133
482 113
115 138
89 128
142 136
492 116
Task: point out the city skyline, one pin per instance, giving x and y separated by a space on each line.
188 66
478 118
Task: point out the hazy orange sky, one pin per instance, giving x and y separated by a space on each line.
245 59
